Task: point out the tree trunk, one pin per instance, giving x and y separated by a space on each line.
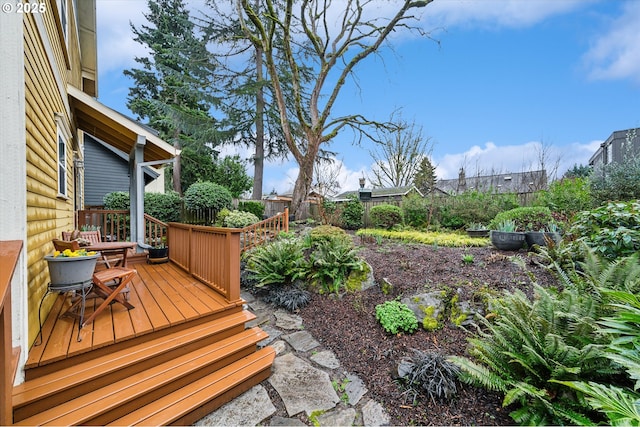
177 183
303 183
258 160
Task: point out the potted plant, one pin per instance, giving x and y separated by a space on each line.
506 238
69 268
159 253
543 236
477 229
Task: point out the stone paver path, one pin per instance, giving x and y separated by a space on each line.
307 379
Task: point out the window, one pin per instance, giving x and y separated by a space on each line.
62 164
64 19
608 158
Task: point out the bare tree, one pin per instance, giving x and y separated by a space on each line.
326 183
399 154
329 41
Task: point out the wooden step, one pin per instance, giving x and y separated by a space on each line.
115 400
39 394
196 400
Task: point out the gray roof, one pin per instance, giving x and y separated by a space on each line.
518 182
382 192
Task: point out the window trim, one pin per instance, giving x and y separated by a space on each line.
62 162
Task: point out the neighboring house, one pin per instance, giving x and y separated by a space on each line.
106 169
379 194
614 149
517 183
49 84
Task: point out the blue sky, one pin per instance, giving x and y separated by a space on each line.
506 78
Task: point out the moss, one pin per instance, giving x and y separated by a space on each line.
429 323
357 278
386 287
313 418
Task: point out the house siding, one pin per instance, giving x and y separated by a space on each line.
46 77
104 173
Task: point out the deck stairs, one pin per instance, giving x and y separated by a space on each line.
172 377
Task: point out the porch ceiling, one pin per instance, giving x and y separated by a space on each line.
114 128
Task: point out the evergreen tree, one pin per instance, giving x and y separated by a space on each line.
172 89
425 179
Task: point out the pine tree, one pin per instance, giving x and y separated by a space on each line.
425 178
172 89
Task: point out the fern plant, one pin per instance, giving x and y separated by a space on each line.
280 262
331 262
532 344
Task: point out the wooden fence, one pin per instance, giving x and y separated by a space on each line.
260 232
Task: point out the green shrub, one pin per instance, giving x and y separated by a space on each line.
221 216
329 233
566 196
385 216
352 215
253 206
207 195
532 344
613 230
279 262
164 206
117 200
471 206
533 218
396 317
239 219
415 210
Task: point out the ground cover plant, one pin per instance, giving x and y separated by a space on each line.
427 237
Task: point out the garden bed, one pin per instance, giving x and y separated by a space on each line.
348 327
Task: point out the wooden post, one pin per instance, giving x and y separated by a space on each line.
233 265
286 219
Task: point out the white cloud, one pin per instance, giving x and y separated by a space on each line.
497 13
514 158
116 47
616 53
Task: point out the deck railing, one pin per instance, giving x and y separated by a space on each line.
258 233
113 224
211 254
9 256
155 231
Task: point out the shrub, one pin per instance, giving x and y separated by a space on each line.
612 230
207 195
385 216
117 200
352 214
253 206
221 216
239 219
396 317
533 218
429 372
472 206
415 210
329 233
531 345
164 206
292 298
279 262
566 196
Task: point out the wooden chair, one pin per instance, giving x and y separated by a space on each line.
122 276
61 245
93 237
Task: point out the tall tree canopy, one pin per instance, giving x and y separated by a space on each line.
172 89
425 178
329 40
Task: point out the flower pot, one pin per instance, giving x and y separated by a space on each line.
68 271
158 255
478 233
541 238
507 240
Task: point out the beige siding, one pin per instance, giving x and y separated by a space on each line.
46 76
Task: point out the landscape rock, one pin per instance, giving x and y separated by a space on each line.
301 386
248 409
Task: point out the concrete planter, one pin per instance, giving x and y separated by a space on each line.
68 271
507 240
541 238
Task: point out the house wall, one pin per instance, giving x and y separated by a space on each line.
48 70
104 173
13 171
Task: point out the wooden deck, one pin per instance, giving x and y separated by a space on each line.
164 296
